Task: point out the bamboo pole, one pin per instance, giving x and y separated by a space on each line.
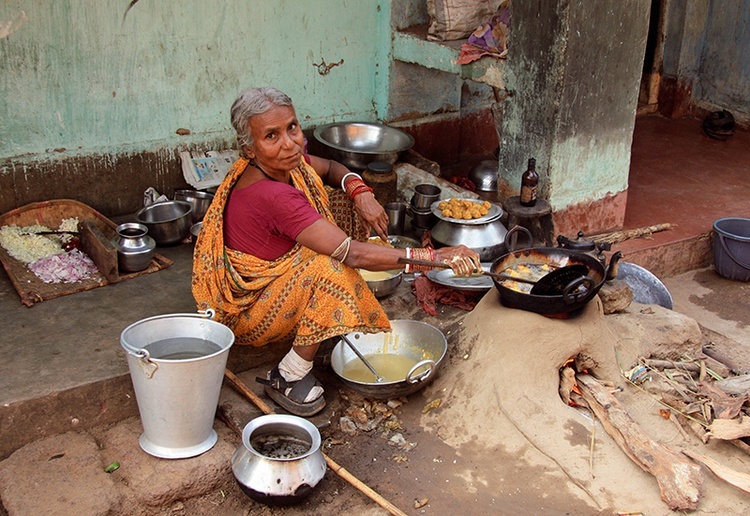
338 469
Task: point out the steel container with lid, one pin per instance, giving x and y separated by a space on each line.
486 235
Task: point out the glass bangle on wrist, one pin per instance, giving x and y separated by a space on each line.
343 179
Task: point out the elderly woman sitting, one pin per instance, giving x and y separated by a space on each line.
276 258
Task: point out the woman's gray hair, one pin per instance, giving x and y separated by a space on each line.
251 102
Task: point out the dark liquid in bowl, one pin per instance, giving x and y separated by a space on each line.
280 446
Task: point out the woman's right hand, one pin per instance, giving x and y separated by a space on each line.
461 259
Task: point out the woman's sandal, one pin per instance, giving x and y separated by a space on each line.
276 386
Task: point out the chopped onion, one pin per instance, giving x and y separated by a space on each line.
64 268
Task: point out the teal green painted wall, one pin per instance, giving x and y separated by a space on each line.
76 76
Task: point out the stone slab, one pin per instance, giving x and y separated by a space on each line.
63 474
155 482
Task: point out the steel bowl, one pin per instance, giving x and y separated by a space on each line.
168 222
356 144
386 286
403 242
422 342
199 201
195 230
484 176
647 288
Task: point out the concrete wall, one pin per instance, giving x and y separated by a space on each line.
706 58
449 117
90 103
574 71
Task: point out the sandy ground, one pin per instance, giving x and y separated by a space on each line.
488 435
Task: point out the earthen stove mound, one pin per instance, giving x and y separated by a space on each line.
500 402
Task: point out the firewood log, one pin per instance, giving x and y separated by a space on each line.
736 478
728 429
679 479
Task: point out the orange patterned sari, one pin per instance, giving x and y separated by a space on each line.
301 296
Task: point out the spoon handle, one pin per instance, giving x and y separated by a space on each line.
362 358
441 265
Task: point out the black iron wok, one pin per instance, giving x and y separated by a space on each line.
575 296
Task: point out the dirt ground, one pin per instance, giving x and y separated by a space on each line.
488 435
390 451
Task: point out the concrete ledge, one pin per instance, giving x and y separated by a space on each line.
79 408
670 259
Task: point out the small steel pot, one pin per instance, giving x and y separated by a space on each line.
134 247
276 480
415 339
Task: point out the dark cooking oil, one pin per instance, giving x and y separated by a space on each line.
181 348
277 446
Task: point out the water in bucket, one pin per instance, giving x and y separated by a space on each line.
177 365
181 348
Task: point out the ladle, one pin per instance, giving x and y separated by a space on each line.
552 283
380 379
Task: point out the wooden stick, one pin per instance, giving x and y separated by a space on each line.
729 429
621 236
679 479
733 367
736 386
742 445
668 364
736 478
242 387
339 470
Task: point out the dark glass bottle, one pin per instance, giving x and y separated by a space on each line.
529 184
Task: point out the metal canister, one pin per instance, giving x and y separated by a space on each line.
383 180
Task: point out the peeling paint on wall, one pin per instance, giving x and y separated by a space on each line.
171 65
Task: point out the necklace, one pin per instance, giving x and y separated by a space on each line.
268 176
257 165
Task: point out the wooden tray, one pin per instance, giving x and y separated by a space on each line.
96 233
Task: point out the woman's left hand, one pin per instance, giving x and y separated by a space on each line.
372 214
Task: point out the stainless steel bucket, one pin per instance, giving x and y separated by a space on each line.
177 364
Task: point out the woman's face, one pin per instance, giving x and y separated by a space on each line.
277 139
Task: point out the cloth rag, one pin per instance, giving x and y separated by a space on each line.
490 38
429 294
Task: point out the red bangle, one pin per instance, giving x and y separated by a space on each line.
361 189
353 184
421 253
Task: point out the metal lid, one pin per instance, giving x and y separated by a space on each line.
379 167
